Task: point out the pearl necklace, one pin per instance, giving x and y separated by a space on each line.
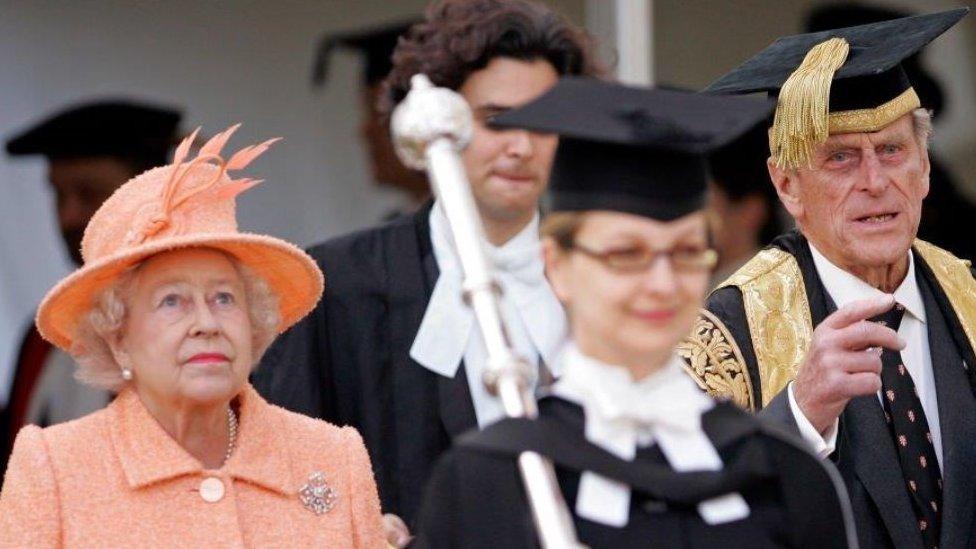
231 434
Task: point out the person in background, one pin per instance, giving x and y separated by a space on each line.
172 308
744 201
392 349
850 330
376 46
643 458
91 149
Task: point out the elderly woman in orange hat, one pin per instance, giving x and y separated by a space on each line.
171 309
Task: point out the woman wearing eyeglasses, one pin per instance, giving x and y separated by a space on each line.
643 457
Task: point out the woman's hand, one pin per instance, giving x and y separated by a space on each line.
397 533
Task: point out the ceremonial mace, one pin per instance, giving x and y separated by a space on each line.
431 126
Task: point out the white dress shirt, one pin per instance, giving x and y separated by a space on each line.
844 288
622 414
449 333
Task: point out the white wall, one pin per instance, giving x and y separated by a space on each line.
223 62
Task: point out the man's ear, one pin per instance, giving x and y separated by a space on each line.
787 187
555 259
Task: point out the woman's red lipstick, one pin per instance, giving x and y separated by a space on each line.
207 358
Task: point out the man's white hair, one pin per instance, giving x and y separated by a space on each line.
922 122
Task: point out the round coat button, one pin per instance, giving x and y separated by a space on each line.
212 490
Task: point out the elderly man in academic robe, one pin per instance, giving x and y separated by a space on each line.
849 329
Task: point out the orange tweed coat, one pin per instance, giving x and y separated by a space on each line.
116 479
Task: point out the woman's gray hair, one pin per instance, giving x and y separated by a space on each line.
106 319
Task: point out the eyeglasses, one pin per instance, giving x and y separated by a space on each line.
639 258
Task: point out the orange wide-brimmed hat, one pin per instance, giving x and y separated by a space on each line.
189 203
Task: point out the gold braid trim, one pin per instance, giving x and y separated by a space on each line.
956 281
778 313
714 361
872 120
801 120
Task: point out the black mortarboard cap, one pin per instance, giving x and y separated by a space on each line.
119 128
849 14
875 49
635 150
376 44
852 73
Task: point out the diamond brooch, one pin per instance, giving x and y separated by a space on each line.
316 495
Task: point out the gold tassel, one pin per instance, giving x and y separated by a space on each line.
802 113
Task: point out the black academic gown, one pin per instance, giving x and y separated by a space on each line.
475 498
348 362
865 453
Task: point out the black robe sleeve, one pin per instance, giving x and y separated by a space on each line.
814 494
475 500
437 524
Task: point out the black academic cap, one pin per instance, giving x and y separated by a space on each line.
635 150
853 73
875 49
849 14
376 45
118 128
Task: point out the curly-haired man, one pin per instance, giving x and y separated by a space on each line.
391 348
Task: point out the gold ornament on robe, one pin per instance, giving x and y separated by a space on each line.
780 325
715 362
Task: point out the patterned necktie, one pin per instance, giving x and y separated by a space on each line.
913 439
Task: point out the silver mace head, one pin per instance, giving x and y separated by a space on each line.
425 115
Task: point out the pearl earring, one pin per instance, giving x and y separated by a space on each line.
126 373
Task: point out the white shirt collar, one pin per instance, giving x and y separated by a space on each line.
609 392
449 334
528 237
844 287
666 408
